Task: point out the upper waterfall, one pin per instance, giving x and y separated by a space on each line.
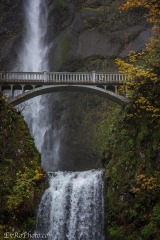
34 55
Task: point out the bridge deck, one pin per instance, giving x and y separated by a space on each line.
50 78
32 84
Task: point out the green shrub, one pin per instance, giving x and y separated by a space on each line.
156 211
148 231
116 233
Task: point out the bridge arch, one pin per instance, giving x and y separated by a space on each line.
69 88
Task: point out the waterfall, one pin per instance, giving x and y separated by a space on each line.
33 57
72 207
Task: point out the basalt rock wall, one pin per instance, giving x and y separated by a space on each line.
88 31
83 35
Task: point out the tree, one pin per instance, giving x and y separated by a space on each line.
143 69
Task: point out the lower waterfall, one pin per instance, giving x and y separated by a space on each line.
72 207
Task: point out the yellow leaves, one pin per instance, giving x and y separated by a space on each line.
143 80
125 67
38 175
144 183
3 97
135 71
141 100
135 3
144 104
134 190
151 5
140 177
24 188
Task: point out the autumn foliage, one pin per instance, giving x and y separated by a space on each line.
152 7
144 183
143 69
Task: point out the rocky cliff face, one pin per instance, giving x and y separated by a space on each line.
11 23
95 30
79 30
86 35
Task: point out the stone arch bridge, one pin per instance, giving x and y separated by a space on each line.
32 84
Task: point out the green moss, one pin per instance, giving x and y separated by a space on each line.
115 233
61 50
132 150
156 213
91 22
108 18
96 63
149 232
94 4
20 174
96 9
60 2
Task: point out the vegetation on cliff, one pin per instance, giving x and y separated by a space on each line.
133 147
20 172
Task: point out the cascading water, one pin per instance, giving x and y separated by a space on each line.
33 57
72 207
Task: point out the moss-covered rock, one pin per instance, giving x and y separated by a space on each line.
94 28
61 50
20 172
132 163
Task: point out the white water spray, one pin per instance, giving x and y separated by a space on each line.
72 207
33 57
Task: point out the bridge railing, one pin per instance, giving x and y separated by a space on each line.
70 77
62 77
110 77
20 76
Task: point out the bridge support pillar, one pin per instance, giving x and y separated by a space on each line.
12 90
45 76
126 89
116 88
93 76
22 88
